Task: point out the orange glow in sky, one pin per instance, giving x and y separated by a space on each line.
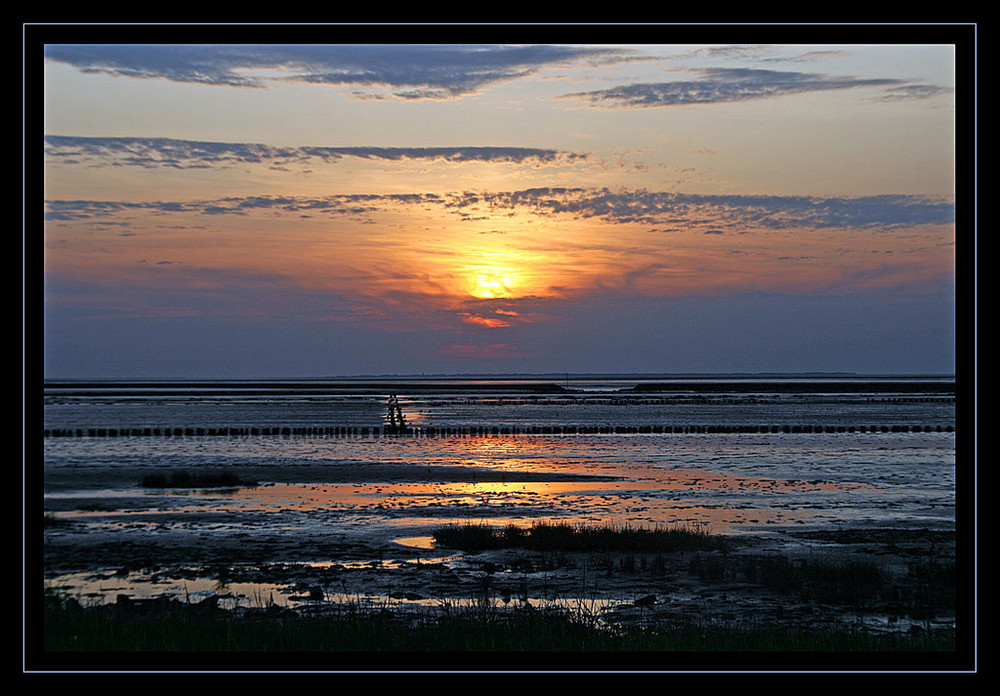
527 197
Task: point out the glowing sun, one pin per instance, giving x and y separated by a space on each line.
491 283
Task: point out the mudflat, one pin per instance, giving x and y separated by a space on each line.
182 544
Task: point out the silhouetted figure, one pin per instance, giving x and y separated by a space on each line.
394 416
392 411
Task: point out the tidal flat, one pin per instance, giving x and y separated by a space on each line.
832 532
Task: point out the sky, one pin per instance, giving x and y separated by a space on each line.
248 210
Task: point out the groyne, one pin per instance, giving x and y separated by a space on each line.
482 430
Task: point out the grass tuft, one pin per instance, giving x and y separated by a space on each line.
545 536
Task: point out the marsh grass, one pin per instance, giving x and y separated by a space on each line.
545 536
180 628
187 479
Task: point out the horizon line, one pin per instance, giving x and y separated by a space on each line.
520 375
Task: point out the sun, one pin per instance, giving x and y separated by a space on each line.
492 283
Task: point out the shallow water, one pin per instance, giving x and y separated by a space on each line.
396 487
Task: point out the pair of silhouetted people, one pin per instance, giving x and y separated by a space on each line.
395 414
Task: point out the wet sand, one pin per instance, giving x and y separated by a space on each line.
372 545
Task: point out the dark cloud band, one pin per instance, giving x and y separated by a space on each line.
412 70
187 154
705 213
721 85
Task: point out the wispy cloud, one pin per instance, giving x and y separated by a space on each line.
732 211
330 205
721 85
910 92
705 213
189 154
487 322
408 71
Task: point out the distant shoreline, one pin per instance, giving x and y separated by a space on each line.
827 383
556 376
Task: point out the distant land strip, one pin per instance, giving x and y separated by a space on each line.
799 386
493 386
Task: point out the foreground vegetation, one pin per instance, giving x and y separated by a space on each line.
921 591
180 627
925 588
545 536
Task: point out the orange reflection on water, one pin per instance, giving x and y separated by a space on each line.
703 479
656 496
368 496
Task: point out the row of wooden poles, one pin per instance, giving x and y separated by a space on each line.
432 431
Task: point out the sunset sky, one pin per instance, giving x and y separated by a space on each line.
301 210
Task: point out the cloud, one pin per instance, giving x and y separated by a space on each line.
190 154
911 92
715 211
705 213
409 71
487 322
351 204
722 85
